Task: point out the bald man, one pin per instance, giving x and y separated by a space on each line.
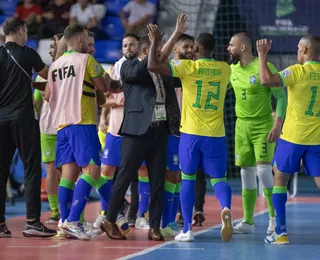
300 136
256 130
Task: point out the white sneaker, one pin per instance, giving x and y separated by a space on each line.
277 239
75 229
90 230
272 226
99 221
142 223
227 228
60 223
185 237
243 228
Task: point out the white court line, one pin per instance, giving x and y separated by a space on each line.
142 248
150 249
50 246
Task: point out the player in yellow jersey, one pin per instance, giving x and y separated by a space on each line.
300 137
202 140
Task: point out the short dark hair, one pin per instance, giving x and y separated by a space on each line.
144 41
132 35
184 37
73 30
91 34
59 36
207 41
12 25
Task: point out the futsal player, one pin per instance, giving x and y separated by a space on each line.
300 136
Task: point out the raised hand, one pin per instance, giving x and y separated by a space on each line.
154 33
263 46
181 25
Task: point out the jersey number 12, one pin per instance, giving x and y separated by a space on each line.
215 95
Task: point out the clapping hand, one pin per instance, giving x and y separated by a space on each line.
181 25
263 46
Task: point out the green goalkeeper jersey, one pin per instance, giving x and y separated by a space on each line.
252 99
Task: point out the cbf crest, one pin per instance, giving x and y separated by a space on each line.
175 159
105 153
253 79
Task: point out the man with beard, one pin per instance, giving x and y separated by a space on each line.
256 130
111 153
183 49
72 88
48 137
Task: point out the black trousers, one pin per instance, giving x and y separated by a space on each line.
23 135
201 188
151 147
134 196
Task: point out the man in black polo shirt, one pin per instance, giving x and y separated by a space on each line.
19 127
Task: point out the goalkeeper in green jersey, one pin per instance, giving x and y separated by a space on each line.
256 130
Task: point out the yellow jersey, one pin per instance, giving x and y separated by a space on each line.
302 123
204 85
88 103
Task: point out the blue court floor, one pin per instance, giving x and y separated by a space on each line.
303 226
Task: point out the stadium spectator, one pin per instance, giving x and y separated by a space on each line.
30 12
83 13
140 13
56 15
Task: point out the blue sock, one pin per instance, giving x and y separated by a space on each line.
144 195
223 192
109 182
104 191
176 203
65 195
279 200
168 194
187 198
81 196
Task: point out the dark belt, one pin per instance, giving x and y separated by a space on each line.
155 124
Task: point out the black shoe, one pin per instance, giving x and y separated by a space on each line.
4 231
37 229
198 218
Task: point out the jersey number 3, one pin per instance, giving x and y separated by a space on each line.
215 95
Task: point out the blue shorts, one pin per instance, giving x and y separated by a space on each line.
288 158
209 153
112 151
78 143
173 153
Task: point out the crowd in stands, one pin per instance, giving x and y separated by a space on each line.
47 18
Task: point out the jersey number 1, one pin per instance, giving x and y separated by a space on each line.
309 112
210 95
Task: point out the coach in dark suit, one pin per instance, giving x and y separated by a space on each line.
151 111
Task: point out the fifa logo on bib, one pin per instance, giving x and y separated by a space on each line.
253 79
105 153
175 159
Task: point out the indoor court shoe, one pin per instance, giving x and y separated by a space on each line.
227 228
243 228
101 217
54 218
4 231
277 239
185 237
171 230
37 229
272 226
198 218
112 230
142 223
75 229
